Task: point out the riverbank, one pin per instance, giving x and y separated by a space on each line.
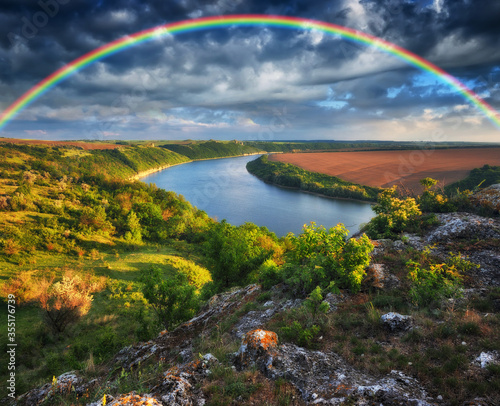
145 173
293 177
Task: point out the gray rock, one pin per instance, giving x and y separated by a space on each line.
396 322
381 278
463 225
488 198
487 358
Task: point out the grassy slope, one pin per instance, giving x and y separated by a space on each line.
118 316
212 149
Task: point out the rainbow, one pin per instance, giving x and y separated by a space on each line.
207 23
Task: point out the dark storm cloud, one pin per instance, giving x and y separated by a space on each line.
246 71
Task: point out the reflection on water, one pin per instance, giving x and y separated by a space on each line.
225 190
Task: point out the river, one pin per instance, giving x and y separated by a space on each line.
225 190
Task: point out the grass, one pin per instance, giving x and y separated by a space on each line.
118 316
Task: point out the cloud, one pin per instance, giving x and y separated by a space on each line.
231 81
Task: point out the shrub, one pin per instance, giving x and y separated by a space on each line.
94 219
431 201
64 302
11 247
393 214
309 320
431 285
319 257
173 299
236 252
196 275
22 286
134 233
4 203
269 274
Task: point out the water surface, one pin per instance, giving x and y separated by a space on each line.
225 190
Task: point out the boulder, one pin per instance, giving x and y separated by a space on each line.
381 278
488 198
258 347
487 358
396 322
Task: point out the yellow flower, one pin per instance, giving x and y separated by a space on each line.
104 400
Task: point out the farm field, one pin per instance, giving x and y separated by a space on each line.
388 168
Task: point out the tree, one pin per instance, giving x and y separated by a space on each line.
134 233
173 299
64 302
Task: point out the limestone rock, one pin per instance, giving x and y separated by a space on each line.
380 278
257 318
257 348
487 358
488 198
464 225
396 322
63 384
325 378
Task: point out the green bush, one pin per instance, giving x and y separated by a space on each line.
394 215
325 258
310 320
430 285
173 299
236 252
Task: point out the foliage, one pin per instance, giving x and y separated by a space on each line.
134 233
288 175
431 200
326 259
196 275
479 177
235 252
64 302
94 219
430 285
173 299
269 274
307 322
394 215
300 334
315 304
212 149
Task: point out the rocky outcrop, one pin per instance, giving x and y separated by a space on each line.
464 225
488 198
325 378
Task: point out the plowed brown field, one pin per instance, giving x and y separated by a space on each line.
387 168
81 144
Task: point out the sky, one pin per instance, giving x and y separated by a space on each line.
251 83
